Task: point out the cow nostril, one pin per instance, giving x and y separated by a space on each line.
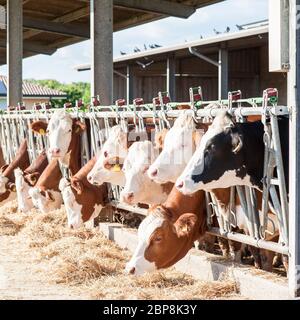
55 151
132 270
154 173
71 226
180 185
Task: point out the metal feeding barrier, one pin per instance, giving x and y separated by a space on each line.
99 119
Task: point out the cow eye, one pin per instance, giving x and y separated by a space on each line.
105 154
157 239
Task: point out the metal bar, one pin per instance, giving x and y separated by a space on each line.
129 84
294 104
262 244
203 57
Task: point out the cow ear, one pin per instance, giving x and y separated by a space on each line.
3 168
78 126
185 224
32 177
49 196
11 186
237 142
39 127
77 186
160 138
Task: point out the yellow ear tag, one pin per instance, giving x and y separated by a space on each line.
42 132
116 168
77 130
13 189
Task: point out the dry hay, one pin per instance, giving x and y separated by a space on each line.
87 261
11 221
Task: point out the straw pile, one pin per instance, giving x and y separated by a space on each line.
85 260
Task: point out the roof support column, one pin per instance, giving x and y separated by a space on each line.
171 79
223 74
101 22
14 51
129 84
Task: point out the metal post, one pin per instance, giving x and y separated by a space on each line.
171 79
14 51
129 84
223 74
101 24
294 180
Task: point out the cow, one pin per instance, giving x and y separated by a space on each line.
27 179
83 201
179 145
7 178
110 159
64 138
231 154
2 161
138 184
45 194
168 232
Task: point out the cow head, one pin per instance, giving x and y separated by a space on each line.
22 188
162 241
60 130
178 147
45 200
137 185
82 204
218 161
110 159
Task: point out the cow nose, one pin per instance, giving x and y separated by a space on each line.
180 185
55 151
128 197
132 270
154 173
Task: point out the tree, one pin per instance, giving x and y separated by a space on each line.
74 90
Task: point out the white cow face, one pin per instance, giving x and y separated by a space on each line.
179 145
3 182
138 264
110 159
59 131
73 209
45 201
22 188
139 188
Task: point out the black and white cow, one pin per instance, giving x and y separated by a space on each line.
231 154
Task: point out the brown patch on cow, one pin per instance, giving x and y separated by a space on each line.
86 194
160 139
39 127
167 187
184 222
49 179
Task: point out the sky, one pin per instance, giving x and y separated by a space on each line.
168 31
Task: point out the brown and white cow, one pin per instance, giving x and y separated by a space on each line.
7 178
64 147
64 138
27 179
168 232
83 201
45 194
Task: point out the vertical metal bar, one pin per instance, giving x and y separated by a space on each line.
294 104
129 84
14 51
223 74
171 78
101 24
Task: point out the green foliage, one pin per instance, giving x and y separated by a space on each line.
74 90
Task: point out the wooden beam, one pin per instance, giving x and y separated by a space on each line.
32 46
78 30
68 17
164 7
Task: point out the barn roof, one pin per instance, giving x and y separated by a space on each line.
52 24
32 90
